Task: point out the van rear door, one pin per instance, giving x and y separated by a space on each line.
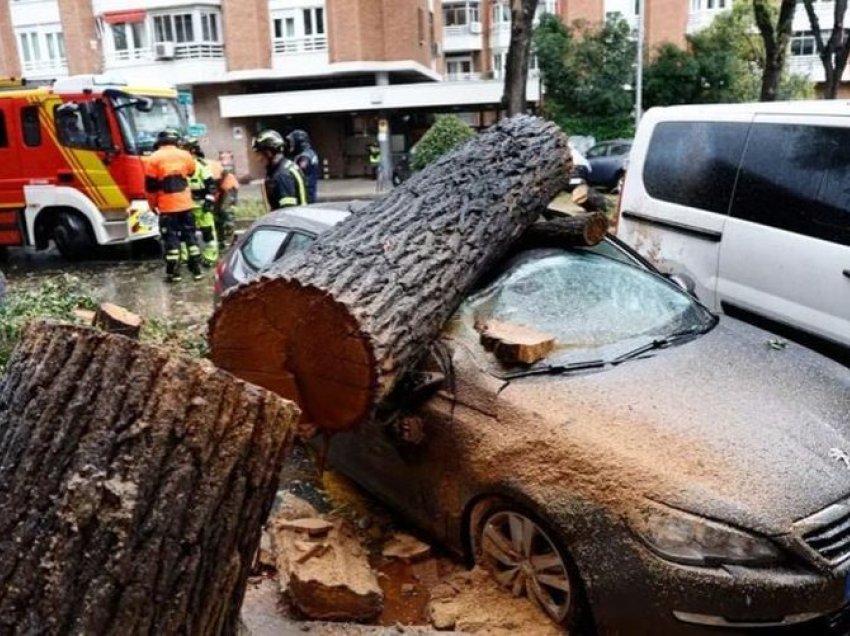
677 191
785 254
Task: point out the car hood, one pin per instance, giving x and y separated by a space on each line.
733 425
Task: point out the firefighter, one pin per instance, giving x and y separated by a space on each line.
302 153
284 186
203 186
167 173
374 152
226 197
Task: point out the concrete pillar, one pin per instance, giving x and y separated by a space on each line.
82 46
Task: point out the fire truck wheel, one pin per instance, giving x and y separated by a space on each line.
72 235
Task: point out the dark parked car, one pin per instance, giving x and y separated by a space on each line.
661 471
608 163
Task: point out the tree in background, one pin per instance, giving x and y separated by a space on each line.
586 71
834 52
519 54
774 24
447 132
724 62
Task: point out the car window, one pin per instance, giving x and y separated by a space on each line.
597 151
620 149
591 304
299 241
263 246
797 178
694 163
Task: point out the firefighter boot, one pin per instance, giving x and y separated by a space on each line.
209 256
195 262
172 266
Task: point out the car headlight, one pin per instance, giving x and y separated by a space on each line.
685 538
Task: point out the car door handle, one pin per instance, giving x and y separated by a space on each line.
847 273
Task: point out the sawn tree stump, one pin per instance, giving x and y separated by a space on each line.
133 486
334 327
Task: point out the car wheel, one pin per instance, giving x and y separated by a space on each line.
525 558
71 235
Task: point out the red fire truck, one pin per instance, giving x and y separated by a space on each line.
71 162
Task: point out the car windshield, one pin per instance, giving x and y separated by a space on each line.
595 307
139 127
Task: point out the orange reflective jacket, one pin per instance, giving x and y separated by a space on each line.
167 173
224 178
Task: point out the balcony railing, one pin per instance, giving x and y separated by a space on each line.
463 77
310 44
57 67
185 51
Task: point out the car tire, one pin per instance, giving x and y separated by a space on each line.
540 569
72 236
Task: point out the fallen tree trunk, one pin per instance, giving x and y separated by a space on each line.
133 486
336 326
580 230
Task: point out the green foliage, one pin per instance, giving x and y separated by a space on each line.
724 63
55 298
191 339
586 71
447 132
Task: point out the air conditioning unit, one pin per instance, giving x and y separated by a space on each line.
475 28
163 50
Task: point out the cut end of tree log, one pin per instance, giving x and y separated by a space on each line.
115 319
580 230
515 344
134 486
336 326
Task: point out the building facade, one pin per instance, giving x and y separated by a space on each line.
332 67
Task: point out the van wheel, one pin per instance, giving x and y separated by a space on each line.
72 236
526 558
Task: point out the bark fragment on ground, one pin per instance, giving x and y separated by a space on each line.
327 577
515 344
336 326
133 486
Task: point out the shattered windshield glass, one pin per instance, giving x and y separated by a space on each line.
140 127
595 307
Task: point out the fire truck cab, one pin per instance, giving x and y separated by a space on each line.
71 167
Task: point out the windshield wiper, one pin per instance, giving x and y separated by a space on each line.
554 369
661 343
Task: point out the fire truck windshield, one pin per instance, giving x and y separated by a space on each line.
140 124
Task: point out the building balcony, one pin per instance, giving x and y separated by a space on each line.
301 57
462 38
500 35
310 44
183 64
44 69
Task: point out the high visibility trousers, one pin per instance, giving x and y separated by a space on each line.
179 228
205 222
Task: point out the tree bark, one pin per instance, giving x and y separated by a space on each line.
834 52
133 486
519 54
776 40
581 230
335 326
115 319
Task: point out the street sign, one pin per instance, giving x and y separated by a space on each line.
198 130
185 98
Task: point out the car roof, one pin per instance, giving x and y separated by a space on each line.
315 218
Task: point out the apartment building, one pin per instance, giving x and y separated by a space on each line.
332 67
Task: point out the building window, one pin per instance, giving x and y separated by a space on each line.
501 13
299 30
209 27
457 14
459 68
498 65
128 39
174 28
42 49
195 33
802 44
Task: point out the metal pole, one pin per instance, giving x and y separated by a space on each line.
639 70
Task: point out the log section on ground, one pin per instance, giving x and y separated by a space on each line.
133 487
335 326
115 319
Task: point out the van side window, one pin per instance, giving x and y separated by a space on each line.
694 163
797 178
83 125
4 134
30 126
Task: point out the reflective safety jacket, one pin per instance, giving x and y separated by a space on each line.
167 173
285 185
308 162
202 183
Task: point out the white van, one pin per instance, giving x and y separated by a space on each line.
749 204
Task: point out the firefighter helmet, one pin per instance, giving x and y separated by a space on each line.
169 137
297 141
268 140
193 145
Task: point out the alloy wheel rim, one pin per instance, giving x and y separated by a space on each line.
524 560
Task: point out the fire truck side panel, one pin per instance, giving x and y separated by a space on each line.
11 180
46 199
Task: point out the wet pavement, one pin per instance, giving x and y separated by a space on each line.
117 275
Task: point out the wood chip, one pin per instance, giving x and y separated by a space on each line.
405 547
515 344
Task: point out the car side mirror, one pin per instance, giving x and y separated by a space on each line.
685 283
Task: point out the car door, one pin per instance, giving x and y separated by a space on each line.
785 254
